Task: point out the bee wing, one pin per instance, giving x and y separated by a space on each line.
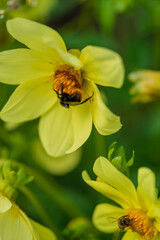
112 219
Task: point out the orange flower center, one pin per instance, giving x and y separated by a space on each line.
67 80
140 222
67 84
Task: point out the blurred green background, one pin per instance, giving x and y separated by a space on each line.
129 27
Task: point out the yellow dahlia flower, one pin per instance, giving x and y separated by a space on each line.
53 79
146 85
139 211
14 224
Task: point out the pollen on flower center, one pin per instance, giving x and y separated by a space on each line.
67 80
141 223
67 84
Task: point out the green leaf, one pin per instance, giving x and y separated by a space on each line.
121 151
118 158
111 149
131 160
117 162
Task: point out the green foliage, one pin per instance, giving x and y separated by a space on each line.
131 28
14 176
118 158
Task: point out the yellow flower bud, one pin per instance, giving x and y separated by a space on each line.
146 85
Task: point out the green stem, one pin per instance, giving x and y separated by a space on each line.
44 217
55 192
100 145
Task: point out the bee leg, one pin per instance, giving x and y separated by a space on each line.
87 98
58 94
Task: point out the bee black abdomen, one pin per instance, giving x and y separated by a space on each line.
74 98
66 105
126 222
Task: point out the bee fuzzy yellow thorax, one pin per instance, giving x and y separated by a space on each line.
141 223
68 80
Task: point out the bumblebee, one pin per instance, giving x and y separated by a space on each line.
124 222
71 99
67 85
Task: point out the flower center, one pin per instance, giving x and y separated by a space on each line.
67 78
139 222
67 84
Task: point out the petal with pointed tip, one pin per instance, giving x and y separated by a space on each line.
113 177
34 35
107 190
42 39
104 120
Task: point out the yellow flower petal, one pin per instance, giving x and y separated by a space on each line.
157 224
146 188
56 166
154 213
102 66
104 120
5 204
30 100
55 129
34 35
157 237
107 190
68 58
42 39
105 217
75 52
17 66
64 130
81 125
42 232
38 231
110 175
15 226
129 235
